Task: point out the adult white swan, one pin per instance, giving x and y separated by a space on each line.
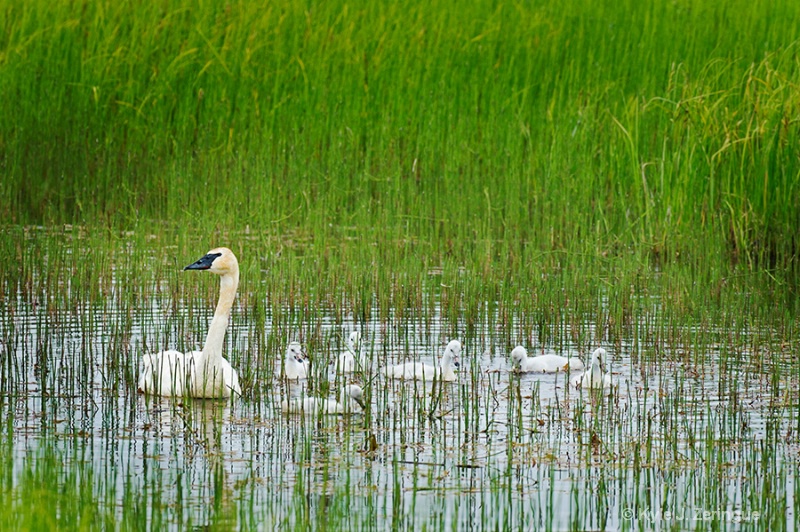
595 376
351 401
543 363
352 359
296 366
424 372
203 374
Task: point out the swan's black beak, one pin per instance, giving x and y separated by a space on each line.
204 262
456 364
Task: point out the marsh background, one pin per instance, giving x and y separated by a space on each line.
562 175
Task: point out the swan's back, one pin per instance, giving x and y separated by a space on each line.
543 363
426 372
418 371
576 364
222 382
411 371
546 363
350 402
174 374
163 373
308 405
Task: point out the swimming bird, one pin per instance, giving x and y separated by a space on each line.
425 372
543 363
595 376
351 401
296 365
352 359
202 374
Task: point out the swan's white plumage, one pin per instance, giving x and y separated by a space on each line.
202 374
351 401
352 359
543 363
296 365
425 372
595 376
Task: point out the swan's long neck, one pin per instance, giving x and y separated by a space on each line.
446 364
358 353
212 350
597 371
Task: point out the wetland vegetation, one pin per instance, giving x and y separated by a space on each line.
558 175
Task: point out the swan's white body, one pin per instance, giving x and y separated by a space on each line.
352 359
351 401
543 363
595 376
425 372
202 374
296 366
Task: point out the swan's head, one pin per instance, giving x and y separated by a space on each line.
451 352
599 359
295 351
354 341
354 392
219 260
518 354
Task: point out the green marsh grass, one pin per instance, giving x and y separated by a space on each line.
497 133
561 175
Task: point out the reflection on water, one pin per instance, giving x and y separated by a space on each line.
499 449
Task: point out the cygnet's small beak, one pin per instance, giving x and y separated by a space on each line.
456 363
204 262
361 403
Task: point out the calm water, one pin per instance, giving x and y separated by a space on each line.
677 443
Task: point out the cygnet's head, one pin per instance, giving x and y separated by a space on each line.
518 354
452 351
295 351
219 260
354 341
599 358
354 392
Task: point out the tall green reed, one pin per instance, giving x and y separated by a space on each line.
488 137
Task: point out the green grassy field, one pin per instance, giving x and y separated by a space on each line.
569 173
664 127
